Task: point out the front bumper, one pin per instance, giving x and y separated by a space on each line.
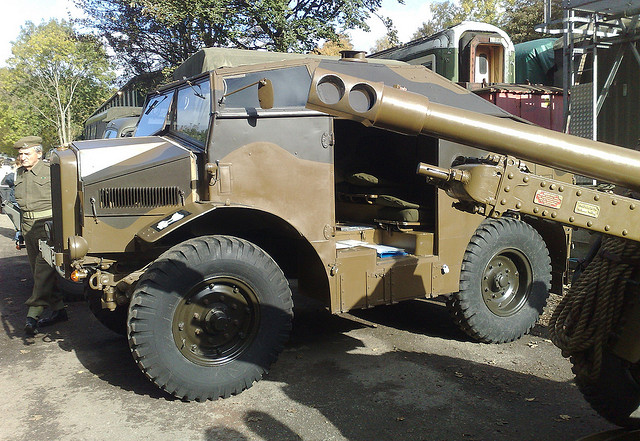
55 260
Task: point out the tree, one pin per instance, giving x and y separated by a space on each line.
448 13
152 34
516 17
331 47
56 77
382 43
520 19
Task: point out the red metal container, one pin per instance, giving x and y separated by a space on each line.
541 105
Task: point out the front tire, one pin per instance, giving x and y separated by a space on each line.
504 281
209 317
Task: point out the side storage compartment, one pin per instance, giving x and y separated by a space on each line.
376 267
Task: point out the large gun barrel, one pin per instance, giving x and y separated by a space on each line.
392 108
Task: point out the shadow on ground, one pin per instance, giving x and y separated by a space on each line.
399 395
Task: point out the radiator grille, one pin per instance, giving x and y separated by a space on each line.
143 197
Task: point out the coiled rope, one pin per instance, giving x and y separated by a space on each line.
587 317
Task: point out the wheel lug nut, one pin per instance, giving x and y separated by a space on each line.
235 289
193 348
198 331
196 316
181 326
211 286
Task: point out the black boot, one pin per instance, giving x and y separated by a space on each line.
31 327
56 316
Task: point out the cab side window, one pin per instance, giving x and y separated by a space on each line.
290 88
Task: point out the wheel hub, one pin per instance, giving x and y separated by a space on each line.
500 281
216 321
506 282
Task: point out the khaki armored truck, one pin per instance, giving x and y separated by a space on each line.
188 233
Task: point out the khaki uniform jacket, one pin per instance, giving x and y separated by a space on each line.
33 188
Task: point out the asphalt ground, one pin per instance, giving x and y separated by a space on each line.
407 375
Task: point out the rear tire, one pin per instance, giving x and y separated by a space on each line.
504 281
615 394
209 317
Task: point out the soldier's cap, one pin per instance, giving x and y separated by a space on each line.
27 142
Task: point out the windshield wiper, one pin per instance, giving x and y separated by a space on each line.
195 92
154 104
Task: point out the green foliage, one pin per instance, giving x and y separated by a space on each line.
382 43
54 80
149 35
523 15
516 17
449 13
331 47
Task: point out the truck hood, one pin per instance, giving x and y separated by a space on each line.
107 158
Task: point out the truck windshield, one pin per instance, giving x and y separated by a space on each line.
155 113
193 109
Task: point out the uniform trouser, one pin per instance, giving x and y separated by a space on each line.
44 292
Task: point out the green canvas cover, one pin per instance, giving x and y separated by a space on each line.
211 58
534 60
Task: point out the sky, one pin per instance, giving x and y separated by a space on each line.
407 18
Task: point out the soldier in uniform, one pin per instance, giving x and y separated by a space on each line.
33 194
